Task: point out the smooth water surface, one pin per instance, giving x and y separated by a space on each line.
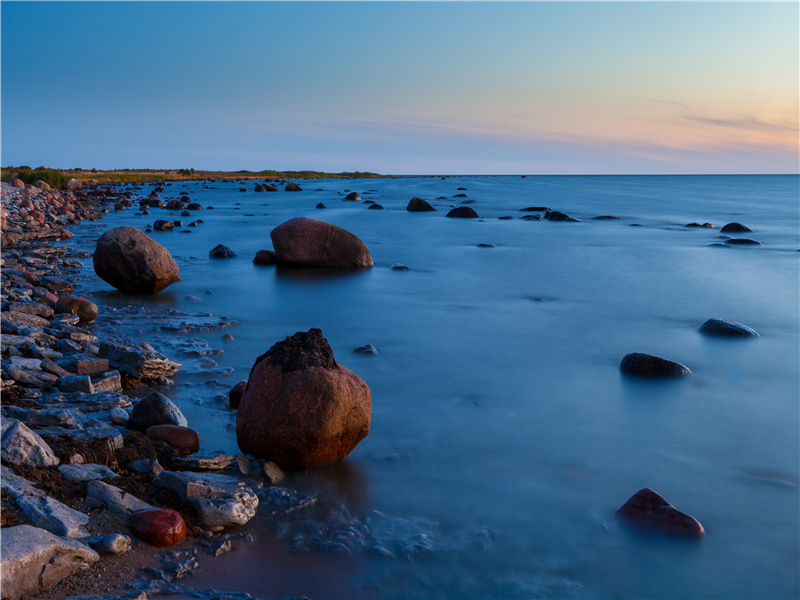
502 430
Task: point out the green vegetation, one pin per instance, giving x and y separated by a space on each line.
60 177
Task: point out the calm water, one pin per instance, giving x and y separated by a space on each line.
502 430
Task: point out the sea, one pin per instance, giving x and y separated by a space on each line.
503 435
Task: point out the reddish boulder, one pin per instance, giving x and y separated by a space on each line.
158 526
180 438
293 187
648 508
264 257
419 205
86 310
133 262
301 409
17 183
235 394
308 242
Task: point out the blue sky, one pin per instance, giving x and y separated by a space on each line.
403 87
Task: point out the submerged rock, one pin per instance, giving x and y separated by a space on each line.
87 311
554 215
647 365
221 251
308 242
419 205
648 508
264 257
353 196
723 328
133 263
463 212
735 228
301 409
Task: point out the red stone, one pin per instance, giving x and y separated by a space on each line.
180 438
235 394
158 526
648 508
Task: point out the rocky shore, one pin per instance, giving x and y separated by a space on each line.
96 481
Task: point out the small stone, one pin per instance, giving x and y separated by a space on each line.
114 543
212 461
119 416
369 349
156 409
735 228
236 392
463 212
76 383
646 365
273 472
723 328
146 466
228 338
158 526
648 508
399 267
244 464
221 251
85 472
180 438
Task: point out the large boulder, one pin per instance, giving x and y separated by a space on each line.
301 409
133 262
649 509
155 409
34 560
22 446
462 212
419 205
308 242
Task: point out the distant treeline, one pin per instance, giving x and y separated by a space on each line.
60 177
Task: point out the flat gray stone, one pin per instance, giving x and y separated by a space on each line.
22 446
113 543
14 486
45 417
76 383
85 472
99 431
108 382
34 560
204 461
115 499
219 500
54 516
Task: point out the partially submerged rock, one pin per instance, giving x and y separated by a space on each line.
463 212
137 362
301 409
308 242
648 508
723 328
647 365
133 263
419 205
34 560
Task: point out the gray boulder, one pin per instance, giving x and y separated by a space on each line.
114 498
55 517
34 560
21 446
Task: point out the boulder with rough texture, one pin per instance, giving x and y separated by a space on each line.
21 446
113 543
308 242
463 212
264 257
17 183
85 472
155 409
137 362
115 499
647 365
353 196
34 560
133 262
293 187
158 526
218 500
209 461
723 328
301 409
735 228
220 251
648 508
180 438
419 205
235 394
55 517
73 184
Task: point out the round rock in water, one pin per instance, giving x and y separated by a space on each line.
301 408
155 409
735 228
308 242
649 509
723 328
647 365
220 251
180 438
264 257
86 310
133 262
463 212
353 196
158 526
419 205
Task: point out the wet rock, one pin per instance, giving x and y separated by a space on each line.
21 446
138 363
542 209
273 472
301 409
194 206
647 365
208 461
735 228
648 508
276 501
375 206
146 466
419 205
463 212
320 205
119 416
34 560
55 517
155 409
704 225
369 350
235 394
113 544
721 327
158 526
292 187
162 225
742 242
218 500
133 263
353 196
554 215
85 472
114 498
82 364
221 251
76 383
180 438
308 242
399 267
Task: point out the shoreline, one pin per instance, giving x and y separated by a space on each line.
35 340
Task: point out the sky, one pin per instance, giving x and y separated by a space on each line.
402 87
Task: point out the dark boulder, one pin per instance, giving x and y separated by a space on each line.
259 188
270 188
302 409
235 394
649 509
554 215
419 205
175 205
178 437
264 257
155 409
353 196
742 242
221 251
375 207
647 365
133 262
308 242
735 228
535 209
194 206
463 212
292 187
320 205
723 328
86 310
161 225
